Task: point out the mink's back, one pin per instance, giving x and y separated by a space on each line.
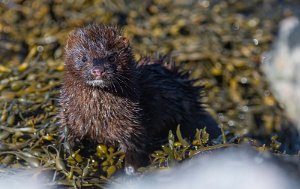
168 98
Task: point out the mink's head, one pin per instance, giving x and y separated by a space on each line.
98 55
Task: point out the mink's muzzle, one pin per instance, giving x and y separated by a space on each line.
100 75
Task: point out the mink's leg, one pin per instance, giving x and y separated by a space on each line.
136 153
137 150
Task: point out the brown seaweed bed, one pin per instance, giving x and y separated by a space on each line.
221 42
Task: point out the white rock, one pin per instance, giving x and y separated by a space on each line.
282 67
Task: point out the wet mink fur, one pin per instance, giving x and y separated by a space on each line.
108 97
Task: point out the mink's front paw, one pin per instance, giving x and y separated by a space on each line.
135 160
130 170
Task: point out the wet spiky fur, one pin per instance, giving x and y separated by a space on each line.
136 104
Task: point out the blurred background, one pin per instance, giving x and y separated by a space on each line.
225 43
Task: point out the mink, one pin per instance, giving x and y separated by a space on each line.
108 97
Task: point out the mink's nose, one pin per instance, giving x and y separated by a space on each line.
98 71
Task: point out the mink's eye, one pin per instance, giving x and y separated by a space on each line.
112 58
84 59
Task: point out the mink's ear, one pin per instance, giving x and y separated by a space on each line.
123 42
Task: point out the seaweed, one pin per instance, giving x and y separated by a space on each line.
220 42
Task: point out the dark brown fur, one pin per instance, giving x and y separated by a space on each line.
134 105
